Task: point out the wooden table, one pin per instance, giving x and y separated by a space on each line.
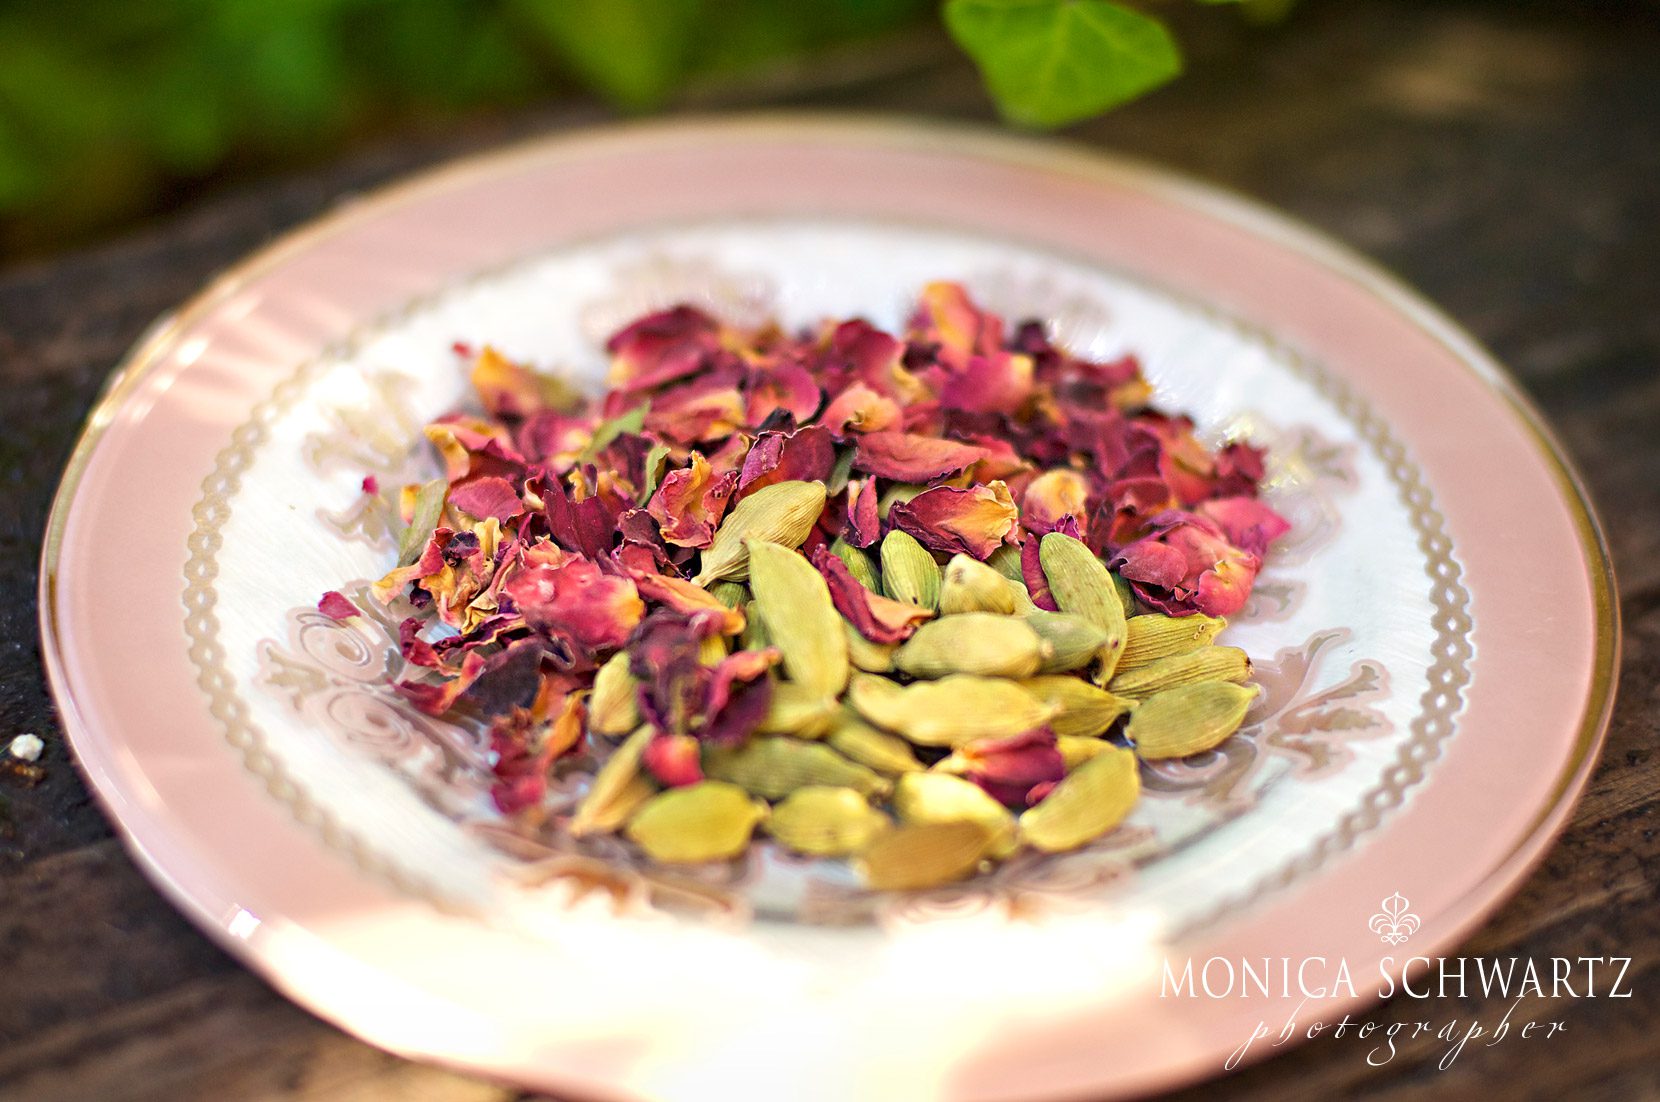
1503 157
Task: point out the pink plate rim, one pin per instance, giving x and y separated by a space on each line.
218 884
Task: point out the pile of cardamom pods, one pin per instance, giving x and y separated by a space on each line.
890 754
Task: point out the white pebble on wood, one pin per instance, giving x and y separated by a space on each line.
26 747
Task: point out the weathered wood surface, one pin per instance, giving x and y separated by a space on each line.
1504 157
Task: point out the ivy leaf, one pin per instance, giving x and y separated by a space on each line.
633 51
1052 62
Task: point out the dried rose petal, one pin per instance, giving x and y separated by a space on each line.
946 314
864 523
857 351
1052 496
877 618
708 407
416 651
509 678
908 457
1001 462
805 455
684 597
1250 525
789 387
1152 563
471 446
860 408
1239 468
678 694
642 550
661 347
528 740
1008 768
336 606
587 526
577 600
1130 505
1186 564
974 521
487 497
997 382
1037 582
690 502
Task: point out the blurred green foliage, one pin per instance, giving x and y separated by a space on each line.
108 106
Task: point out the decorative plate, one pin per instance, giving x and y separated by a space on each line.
1435 643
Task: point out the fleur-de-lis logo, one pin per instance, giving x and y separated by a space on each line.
1394 924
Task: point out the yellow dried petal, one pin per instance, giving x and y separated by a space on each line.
711 649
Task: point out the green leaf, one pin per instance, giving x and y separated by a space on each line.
633 51
1052 62
429 504
631 422
657 460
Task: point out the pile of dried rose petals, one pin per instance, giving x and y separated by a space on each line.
566 531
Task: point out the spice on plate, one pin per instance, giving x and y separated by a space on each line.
916 600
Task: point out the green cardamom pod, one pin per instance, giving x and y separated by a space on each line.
1073 640
782 514
909 572
1152 637
1087 803
1189 719
1204 664
859 563
1082 585
968 585
826 821
983 643
706 821
772 767
791 597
